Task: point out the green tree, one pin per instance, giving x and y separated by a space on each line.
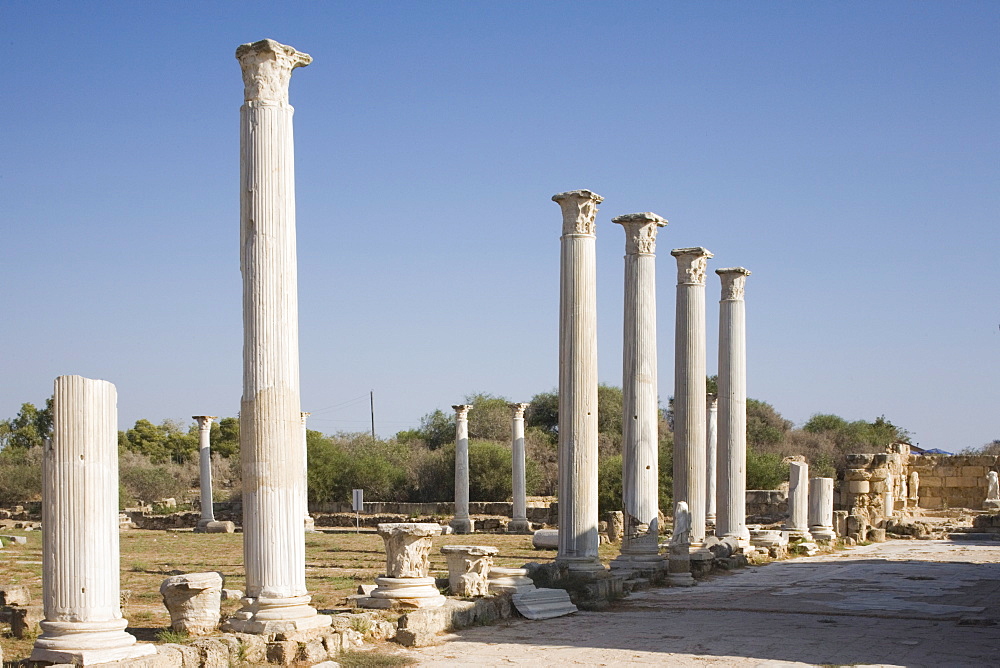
160 443
225 437
490 417
29 428
765 470
765 426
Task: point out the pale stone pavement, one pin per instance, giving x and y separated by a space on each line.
900 603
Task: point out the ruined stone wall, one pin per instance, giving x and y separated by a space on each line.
953 481
873 489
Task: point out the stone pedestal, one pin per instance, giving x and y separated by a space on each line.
578 535
519 522
679 561
731 519
205 469
821 509
274 476
194 601
83 622
510 580
689 386
992 501
798 501
462 523
711 456
407 564
469 568
640 419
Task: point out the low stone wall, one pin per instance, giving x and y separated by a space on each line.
540 512
953 481
765 506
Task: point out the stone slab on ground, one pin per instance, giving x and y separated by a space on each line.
899 603
543 603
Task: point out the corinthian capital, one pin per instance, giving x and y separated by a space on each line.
691 265
640 231
204 421
733 282
518 410
462 411
579 208
267 68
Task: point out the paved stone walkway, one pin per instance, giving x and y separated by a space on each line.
900 603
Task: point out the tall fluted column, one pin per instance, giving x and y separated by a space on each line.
640 411
80 551
797 525
711 455
462 523
689 386
307 521
519 522
274 476
205 463
732 495
821 508
578 537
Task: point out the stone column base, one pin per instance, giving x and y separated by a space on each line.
519 526
991 504
822 533
87 643
463 526
797 534
585 566
408 592
292 618
214 526
643 563
510 580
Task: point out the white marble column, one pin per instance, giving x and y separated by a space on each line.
274 476
307 521
519 522
205 463
80 550
711 449
578 536
689 387
732 456
640 411
462 523
798 501
821 508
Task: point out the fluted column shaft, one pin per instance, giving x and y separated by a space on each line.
578 537
821 508
274 476
731 519
689 386
308 522
461 522
640 419
711 455
80 546
798 499
519 519
205 467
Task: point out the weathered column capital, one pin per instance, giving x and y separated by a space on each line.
692 263
462 410
733 282
712 400
204 421
303 415
640 231
518 410
267 68
579 209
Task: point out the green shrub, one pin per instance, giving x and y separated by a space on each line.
765 470
20 474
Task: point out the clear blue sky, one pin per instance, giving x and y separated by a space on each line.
846 153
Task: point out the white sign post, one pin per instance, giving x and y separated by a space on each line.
358 505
